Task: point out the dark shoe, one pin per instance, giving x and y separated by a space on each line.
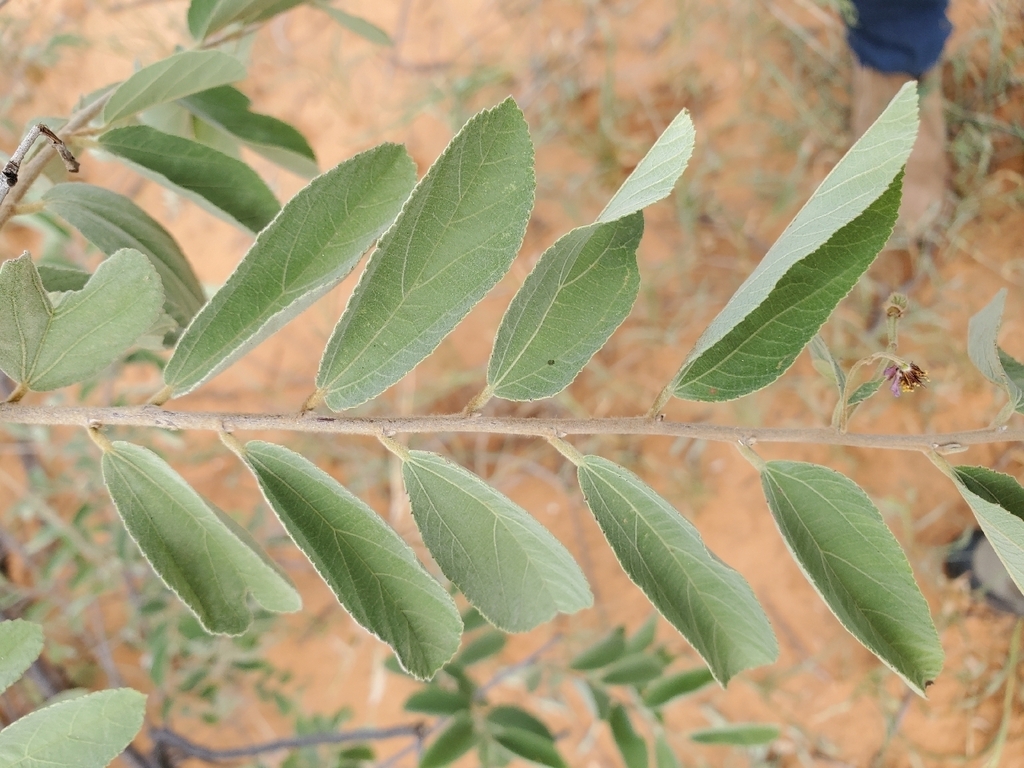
987 573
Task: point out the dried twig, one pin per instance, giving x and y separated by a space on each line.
9 174
10 195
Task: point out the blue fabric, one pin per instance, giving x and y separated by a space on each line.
899 35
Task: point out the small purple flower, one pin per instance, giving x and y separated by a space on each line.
904 379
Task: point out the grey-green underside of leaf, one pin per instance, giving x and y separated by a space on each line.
172 78
54 345
355 24
217 182
839 540
656 174
201 554
761 347
580 291
84 732
506 563
710 604
21 642
984 351
111 221
370 569
455 238
315 241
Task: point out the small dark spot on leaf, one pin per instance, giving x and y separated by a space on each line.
551 362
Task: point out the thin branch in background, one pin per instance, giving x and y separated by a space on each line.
500 675
135 759
169 740
101 649
523 663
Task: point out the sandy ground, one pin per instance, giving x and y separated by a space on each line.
766 84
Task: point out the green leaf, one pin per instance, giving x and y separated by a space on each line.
664 757
208 16
833 239
464 682
172 78
506 563
845 550
25 313
391 664
579 292
170 118
455 238
1014 370
54 345
204 556
453 742
529 746
111 221
481 648
737 734
21 642
637 669
368 566
432 700
306 251
471 619
644 636
760 346
602 653
509 716
85 732
213 137
228 109
356 25
679 684
219 183
631 745
355 757
58 278
655 176
864 391
982 331
825 362
599 699
997 501
706 600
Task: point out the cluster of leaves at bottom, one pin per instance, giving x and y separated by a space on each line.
615 675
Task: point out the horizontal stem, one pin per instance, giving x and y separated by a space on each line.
152 416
